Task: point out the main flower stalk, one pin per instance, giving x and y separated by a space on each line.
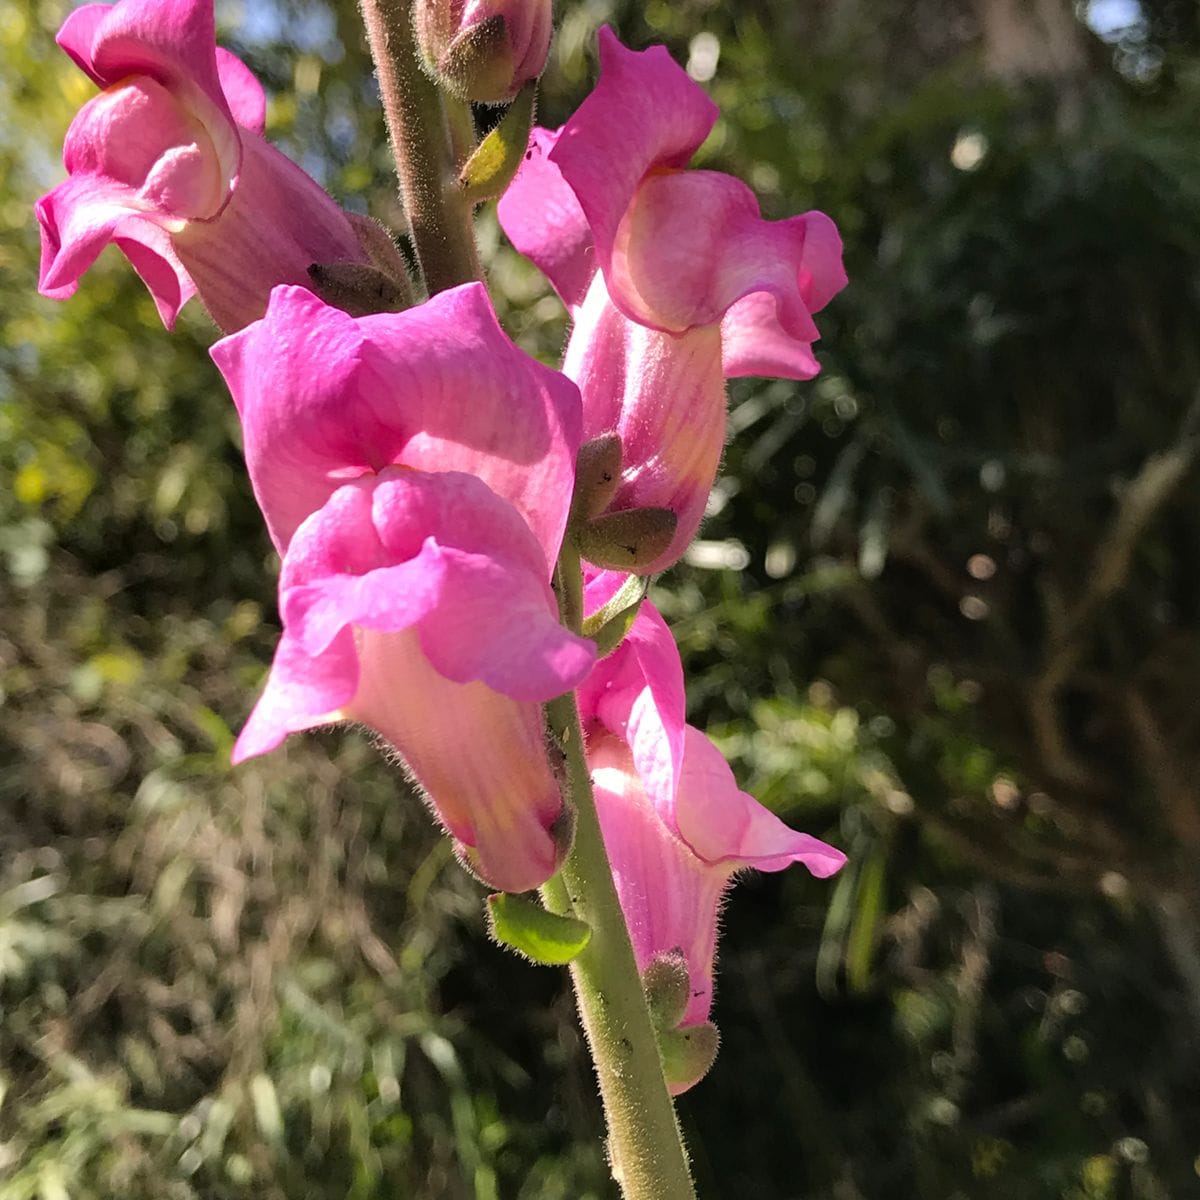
644 1140
439 219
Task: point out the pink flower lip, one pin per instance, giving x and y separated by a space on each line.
168 163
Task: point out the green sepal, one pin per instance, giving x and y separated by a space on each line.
357 288
687 1054
597 474
496 159
523 925
630 540
376 242
667 985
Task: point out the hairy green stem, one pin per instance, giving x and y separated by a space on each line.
644 1140
461 126
439 220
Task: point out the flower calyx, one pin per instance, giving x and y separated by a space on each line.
630 540
597 474
687 1053
360 289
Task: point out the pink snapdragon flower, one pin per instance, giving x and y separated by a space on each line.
673 277
415 471
671 885
169 164
676 826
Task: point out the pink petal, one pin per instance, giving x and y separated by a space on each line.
637 694
152 256
173 42
78 34
438 387
243 93
664 395
544 221
493 625
822 273
725 825
644 114
278 222
78 219
692 244
479 757
442 551
302 692
298 447
754 343
339 572
121 132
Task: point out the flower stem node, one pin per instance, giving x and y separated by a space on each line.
632 540
597 474
688 1054
522 924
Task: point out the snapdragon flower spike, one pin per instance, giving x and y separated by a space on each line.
415 471
672 884
169 164
673 277
418 604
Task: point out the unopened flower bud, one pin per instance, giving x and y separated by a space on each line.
484 50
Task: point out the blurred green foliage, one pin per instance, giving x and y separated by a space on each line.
946 610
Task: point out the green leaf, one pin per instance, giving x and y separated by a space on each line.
491 168
864 928
609 624
523 925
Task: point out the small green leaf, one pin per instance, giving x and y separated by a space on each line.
628 596
688 1054
523 925
864 928
491 168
